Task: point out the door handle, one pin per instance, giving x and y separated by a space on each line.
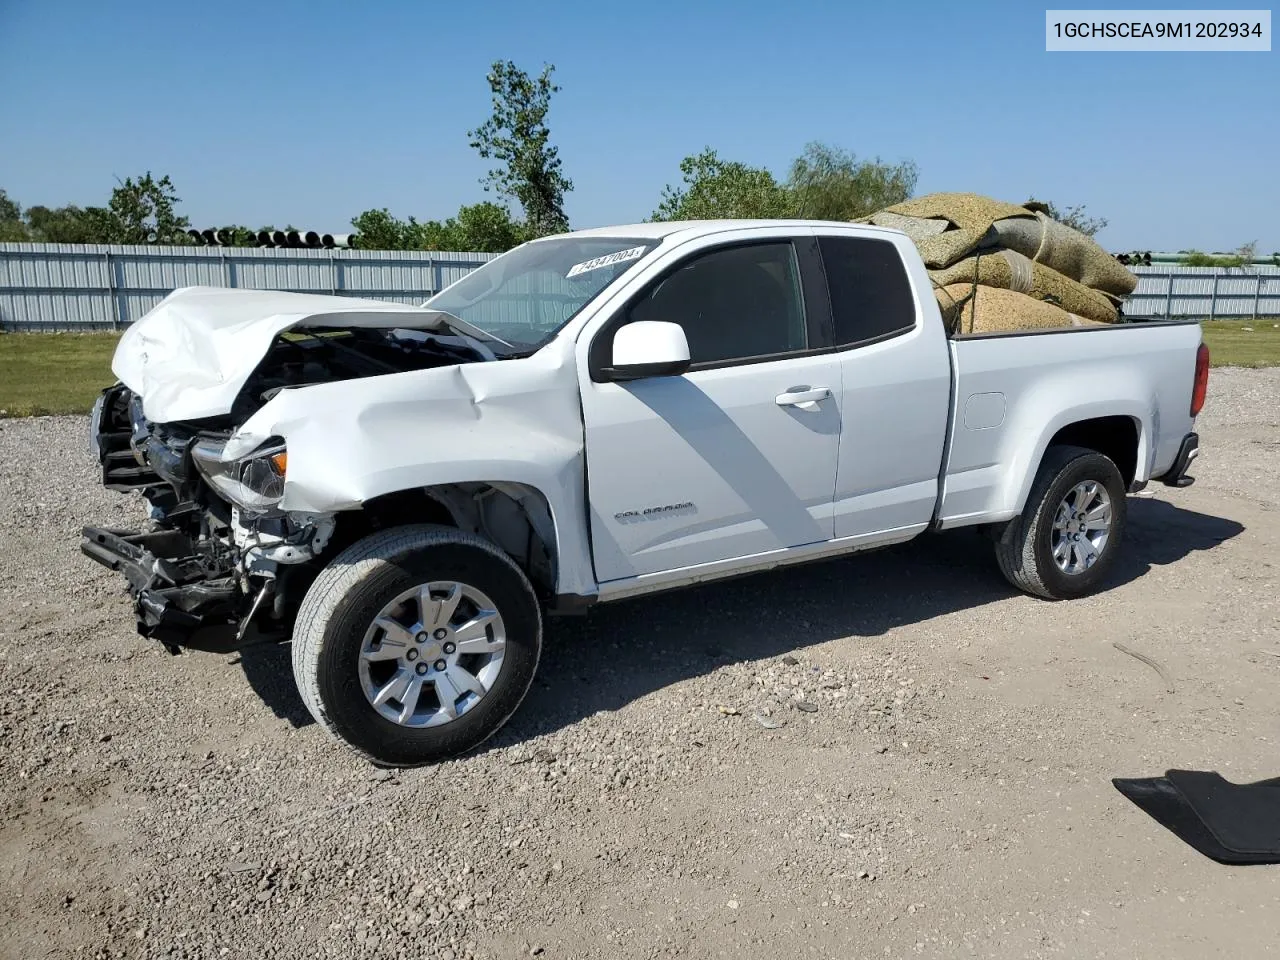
802 398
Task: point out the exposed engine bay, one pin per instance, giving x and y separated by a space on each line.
301 358
221 566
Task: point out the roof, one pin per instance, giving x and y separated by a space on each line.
657 231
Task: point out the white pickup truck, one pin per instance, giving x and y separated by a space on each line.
404 491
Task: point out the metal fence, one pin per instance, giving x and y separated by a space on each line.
1169 290
65 286
61 286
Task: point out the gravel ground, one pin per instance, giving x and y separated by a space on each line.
887 755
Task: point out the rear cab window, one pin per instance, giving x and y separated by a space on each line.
871 298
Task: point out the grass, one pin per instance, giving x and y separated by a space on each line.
1243 343
44 373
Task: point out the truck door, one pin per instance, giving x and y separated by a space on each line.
737 456
896 377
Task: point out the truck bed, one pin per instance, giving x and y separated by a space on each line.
1013 391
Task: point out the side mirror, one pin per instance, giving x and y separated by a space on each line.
649 348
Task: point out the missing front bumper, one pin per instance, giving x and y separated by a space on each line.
179 600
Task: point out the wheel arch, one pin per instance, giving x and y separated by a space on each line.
1117 437
1122 435
516 517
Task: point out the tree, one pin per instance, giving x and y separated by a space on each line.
139 211
1243 256
69 224
379 230
722 189
481 227
1074 217
12 226
144 211
517 137
828 183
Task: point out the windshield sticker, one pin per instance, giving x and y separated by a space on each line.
608 260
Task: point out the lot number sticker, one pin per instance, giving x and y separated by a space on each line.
608 260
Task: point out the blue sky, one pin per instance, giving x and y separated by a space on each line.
309 112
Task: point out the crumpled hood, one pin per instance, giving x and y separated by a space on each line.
191 354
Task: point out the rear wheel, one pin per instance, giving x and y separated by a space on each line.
1065 542
416 644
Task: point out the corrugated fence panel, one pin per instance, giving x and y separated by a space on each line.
58 286
45 311
362 279
138 273
134 303
66 272
309 275
1176 291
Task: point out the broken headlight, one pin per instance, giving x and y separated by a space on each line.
254 483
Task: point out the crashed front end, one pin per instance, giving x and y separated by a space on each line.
221 566
224 563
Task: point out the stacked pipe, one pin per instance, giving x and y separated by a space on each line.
295 239
996 266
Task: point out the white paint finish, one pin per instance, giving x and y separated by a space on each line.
895 400
758 467
649 341
759 476
514 421
896 395
718 570
982 411
1051 381
190 355
779 504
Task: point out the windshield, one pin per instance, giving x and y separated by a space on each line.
524 297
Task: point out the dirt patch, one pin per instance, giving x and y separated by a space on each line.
887 755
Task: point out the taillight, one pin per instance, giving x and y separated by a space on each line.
1201 386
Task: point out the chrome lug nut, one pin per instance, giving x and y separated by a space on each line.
441 665
422 668
450 647
411 655
422 638
441 633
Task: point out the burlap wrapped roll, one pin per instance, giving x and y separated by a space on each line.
965 219
1068 251
947 227
1012 271
969 309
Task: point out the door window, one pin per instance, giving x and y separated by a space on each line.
734 304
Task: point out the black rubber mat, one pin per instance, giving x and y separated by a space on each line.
1229 822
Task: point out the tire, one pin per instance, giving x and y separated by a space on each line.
1025 551
334 658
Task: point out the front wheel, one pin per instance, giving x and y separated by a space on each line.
1065 542
416 644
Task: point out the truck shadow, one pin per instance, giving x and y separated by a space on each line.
626 650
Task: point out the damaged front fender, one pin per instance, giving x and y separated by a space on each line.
515 421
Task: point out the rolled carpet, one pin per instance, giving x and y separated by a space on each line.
977 309
969 216
947 227
1070 252
1012 271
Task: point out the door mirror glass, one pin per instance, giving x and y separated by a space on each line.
649 348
